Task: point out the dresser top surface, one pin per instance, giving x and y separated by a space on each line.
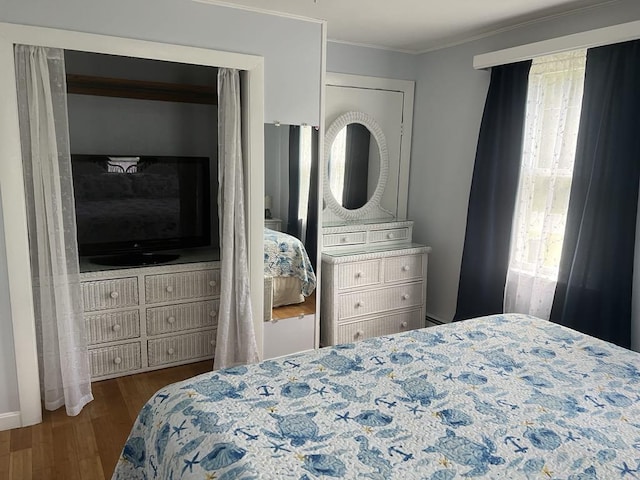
372 252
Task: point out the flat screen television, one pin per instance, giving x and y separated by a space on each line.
134 205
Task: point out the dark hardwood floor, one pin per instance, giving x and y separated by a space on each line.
87 446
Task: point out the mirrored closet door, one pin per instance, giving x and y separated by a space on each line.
290 238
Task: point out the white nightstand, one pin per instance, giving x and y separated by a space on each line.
273 224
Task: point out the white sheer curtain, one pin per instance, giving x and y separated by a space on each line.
62 343
551 130
236 340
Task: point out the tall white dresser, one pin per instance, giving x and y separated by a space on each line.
373 281
374 278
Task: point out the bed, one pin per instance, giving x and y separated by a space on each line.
506 396
287 269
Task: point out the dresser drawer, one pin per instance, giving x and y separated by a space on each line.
182 347
182 317
182 286
359 274
368 302
108 294
117 359
389 235
344 239
110 327
409 267
375 327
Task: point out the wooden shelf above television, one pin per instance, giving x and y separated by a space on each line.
144 90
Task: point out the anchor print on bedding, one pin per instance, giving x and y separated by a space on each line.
506 396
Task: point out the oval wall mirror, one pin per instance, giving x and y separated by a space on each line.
356 166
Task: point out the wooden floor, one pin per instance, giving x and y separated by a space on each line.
289 311
87 446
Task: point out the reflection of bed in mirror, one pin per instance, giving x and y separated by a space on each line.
288 265
291 189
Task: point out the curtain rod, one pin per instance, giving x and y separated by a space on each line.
589 39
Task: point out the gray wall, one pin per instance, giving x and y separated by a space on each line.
449 102
450 99
291 48
371 62
8 379
276 170
124 126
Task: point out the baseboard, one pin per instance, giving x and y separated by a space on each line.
10 420
435 320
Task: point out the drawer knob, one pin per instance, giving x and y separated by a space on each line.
359 334
117 360
404 324
405 268
405 296
171 320
169 288
343 239
116 327
114 295
171 351
360 304
358 274
212 342
212 283
389 235
212 313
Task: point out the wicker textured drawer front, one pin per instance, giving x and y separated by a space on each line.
403 268
181 286
359 274
390 235
107 294
116 359
182 317
339 239
110 327
387 325
364 303
182 347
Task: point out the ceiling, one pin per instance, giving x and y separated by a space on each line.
415 25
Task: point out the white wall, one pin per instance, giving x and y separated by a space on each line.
291 48
8 380
449 102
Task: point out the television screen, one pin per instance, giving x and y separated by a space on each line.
141 203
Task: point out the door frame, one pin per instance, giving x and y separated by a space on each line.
12 194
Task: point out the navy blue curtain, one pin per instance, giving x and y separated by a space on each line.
492 199
595 280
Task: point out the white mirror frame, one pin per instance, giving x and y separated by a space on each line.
371 209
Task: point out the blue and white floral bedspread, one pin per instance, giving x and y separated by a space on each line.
285 256
506 397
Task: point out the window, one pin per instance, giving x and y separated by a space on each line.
554 103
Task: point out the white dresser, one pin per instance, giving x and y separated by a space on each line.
145 318
373 281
